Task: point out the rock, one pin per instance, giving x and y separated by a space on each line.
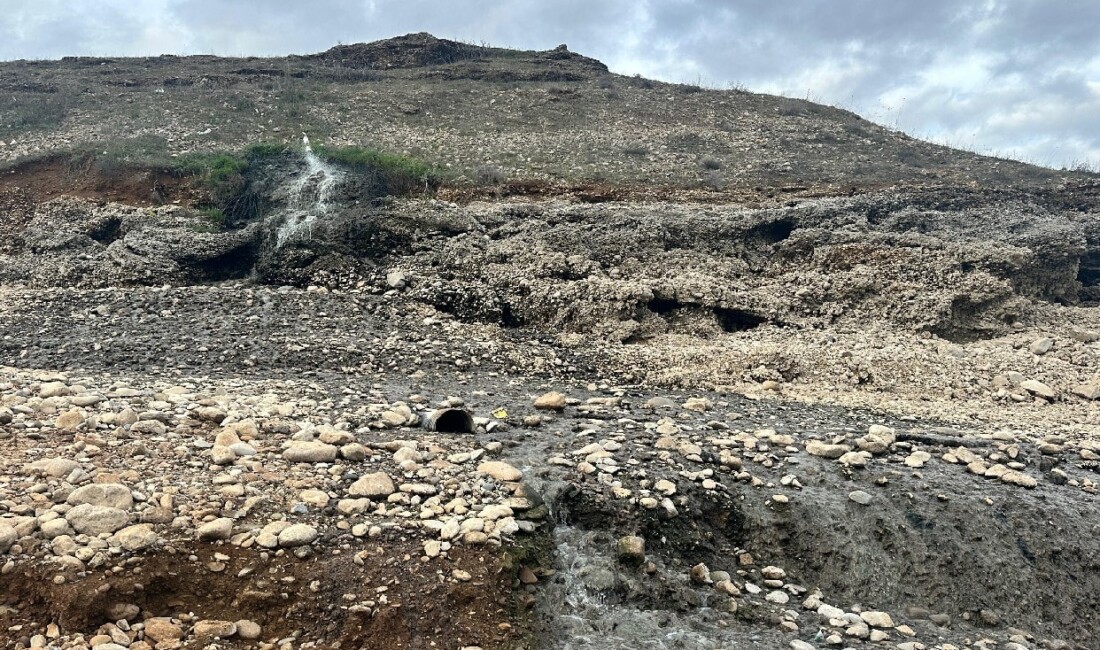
222 455
55 528
88 519
297 535
112 495
395 280
877 619
697 404
268 536
70 420
163 630
8 537
378 484
700 574
1090 391
527 576
825 450
404 454
552 401
218 529
1084 336
53 389
773 573
855 458
878 439
210 414
777 597
1041 346
354 452
801 645
1018 478
630 550
301 451
1038 388
53 467
656 403
138 537
149 428
208 630
665 487
500 471
860 497
122 612
315 497
248 630
918 459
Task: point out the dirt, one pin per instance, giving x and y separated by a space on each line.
396 604
86 177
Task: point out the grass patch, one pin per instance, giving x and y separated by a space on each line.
224 177
388 174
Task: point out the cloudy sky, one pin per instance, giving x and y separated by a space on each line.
1013 77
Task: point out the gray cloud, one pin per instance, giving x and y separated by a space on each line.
1016 77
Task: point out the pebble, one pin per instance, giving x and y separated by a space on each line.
88 519
297 535
877 619
860 497
216 530
377 484
500 471
310 452
552 401
824 450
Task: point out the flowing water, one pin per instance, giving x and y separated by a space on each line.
309 197
590 605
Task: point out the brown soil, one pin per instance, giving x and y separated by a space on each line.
88 178
388 601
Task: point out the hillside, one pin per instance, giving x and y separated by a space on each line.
420 344
551 116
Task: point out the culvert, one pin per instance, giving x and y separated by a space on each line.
450 421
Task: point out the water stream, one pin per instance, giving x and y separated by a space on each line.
309 197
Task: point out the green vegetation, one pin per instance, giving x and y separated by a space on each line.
224 177
386 174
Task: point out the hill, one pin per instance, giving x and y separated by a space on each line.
424 344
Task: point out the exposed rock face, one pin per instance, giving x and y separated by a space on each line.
960 264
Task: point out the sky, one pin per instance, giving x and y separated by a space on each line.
1017 78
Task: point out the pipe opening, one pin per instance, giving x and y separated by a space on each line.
451 421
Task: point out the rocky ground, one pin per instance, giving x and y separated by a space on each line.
257 464
842 392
